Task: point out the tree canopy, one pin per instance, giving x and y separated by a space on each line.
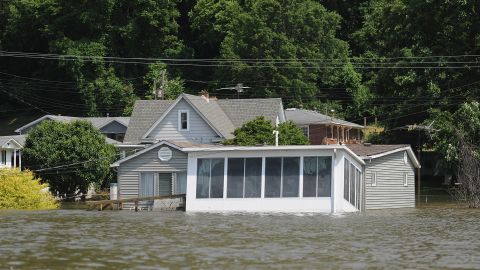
69 156
259 131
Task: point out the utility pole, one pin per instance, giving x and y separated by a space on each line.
162 86
155 89
159 93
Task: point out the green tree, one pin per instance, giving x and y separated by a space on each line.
289 39
289 134
21 190
454 128
260 131
69 156
403 35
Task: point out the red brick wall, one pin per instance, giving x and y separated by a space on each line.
317 133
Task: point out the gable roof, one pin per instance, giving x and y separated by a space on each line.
308 117
17 139
208 110
223 116
98 122
174 144
379 150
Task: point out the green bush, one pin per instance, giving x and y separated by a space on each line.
21 190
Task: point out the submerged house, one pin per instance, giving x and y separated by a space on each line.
324 129
175 150
10 151
113 128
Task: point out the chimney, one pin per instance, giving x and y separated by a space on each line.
204 94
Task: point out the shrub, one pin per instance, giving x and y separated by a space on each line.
21 190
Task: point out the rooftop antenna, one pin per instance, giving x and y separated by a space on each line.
239 88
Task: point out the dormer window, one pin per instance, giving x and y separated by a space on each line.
183 120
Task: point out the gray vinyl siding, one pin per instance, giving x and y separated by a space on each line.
390 191
128 174
199 130
114 127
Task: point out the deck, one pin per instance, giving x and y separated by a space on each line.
118 204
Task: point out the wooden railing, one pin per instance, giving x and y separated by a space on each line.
105 204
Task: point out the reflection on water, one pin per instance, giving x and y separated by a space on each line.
77 239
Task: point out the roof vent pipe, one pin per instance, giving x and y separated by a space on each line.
276 137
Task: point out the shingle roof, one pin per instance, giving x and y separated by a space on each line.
223 115
214 114
145 113
97 122
18 138
307 117
241 111
374 149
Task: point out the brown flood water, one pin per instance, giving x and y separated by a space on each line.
422 238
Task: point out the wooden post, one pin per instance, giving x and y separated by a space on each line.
101 207
136 206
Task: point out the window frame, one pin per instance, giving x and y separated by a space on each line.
307 128
210 176
180 112
405 179
317 176
374 179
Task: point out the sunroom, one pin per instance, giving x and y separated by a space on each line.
274 179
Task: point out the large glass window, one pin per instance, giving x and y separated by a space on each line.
282 177
253 177
273 177
291 177
147 185
244 177
235 173
352 187
180 183
310 172
346 176
210 178
317 176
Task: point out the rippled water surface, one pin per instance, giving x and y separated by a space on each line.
394 239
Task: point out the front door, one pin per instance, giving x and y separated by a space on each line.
164 184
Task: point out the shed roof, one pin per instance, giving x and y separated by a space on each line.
308 117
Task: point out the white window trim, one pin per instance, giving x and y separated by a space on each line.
180 120
405 179
374 179
308 130
405 158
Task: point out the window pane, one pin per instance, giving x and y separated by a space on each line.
291 176
235 172
183 120
203 177
273 171
146 185
324 176
346 173
352 184
253 177
309 176
357 189
181 183
216 181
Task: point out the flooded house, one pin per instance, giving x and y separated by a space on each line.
172 147
113 128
